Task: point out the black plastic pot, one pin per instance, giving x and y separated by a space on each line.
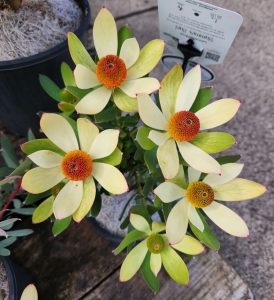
17 278
21 95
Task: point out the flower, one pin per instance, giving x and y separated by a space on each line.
202 195
177 125
117 73
78 166
160 251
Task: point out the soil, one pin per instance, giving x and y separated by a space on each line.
36 27
4 287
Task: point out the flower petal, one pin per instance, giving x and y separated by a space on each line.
174 265
149 57
104 143
169 89
158 227
155 263
150 113
87 200
133 261
139 223
177 222
169 192
217 113
94 102
124 102
238 189
130 51
188 89
168 158
46 158
158 137
29 293
87 132
59 131
195 219
85 78
105 34
193 175
110 178
68 199
39 180
226 219
228 172
198 159
189 245
141 85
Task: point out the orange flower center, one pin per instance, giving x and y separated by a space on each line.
76 165
199 194
183 126
111 71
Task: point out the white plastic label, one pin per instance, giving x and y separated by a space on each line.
212 28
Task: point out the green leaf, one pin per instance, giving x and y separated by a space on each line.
26 211
67 108
150 158
4 224
207 236
78 52
152 281
109 114
31 135
97 204
20 232
50 87
5 171
167 207
130 238
228 159
43 211
113 159
78 93
7 242
60 225
67 97
8 152
4 252
213 142
21 169
40 144
124 33
202 99
33 198
67 75
142 138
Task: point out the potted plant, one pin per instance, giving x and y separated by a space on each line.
123 142
22 60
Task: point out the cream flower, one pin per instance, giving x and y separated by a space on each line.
117 73
78 166
160 251
177 125
202 194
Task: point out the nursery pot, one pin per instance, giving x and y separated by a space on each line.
21 96
17 278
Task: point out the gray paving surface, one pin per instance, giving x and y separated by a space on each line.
247 75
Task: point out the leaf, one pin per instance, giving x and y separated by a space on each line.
97 204
78 52
4 252
31 135
124 33
109 114
130 238
152 281
142 138
213 142
67 75
7 242
8 152
151 160
60 225
6 223
78 93
43 211
40 144
21 169
26 211
202 99
67 97
20 232
3 233
33 198
207 236
5 171
67 108
228 159
113 159
51 88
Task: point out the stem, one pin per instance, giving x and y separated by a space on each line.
11 197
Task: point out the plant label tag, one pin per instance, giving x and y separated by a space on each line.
212 28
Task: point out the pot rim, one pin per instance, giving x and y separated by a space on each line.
46 55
